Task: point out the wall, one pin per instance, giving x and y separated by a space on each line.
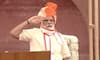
70 21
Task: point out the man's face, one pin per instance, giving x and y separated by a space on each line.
48 23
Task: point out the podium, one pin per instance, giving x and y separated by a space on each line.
44 55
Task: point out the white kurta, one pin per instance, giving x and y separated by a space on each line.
39 42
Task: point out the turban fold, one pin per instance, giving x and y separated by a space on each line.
48 10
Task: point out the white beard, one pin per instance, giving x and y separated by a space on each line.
50 26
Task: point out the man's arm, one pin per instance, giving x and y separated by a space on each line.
18 29
31 21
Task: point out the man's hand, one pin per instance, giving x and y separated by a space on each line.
35 20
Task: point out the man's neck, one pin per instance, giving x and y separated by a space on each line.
49 29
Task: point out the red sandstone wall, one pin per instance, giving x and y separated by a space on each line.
70 21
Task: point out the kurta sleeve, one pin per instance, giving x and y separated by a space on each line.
72 42
25 35
65 50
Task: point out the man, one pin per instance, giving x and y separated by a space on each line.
45 38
